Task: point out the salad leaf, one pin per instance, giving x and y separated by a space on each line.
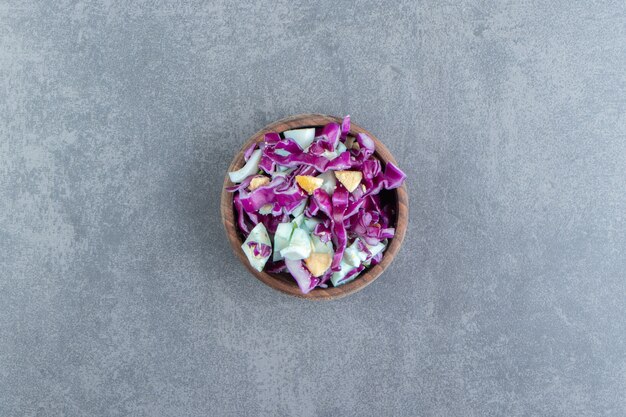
303 277
257 247
339 277
345 127
329 137
281 239
394 177
248 152
310 223
299 246
303 137
340 203
329 182
250 168
366 144
271 138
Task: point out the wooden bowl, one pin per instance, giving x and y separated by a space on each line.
284 282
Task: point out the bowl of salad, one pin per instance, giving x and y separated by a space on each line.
315 206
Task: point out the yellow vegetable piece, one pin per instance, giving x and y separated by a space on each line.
349 179
266 208
309 183
318 263
257 182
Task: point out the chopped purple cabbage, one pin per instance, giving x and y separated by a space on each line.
358 218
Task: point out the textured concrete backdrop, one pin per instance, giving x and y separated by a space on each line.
119 294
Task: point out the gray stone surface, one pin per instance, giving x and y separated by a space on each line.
119 294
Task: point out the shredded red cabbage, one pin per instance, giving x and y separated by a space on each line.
329 137
248 152
340 203
303 277
276 267
260 249
345 127
376 259
359 218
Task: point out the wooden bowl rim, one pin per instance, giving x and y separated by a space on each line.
290 287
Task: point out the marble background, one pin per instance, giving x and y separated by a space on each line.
120 296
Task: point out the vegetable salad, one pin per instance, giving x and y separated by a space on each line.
308 202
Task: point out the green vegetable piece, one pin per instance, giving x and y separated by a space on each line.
318 246
250 168
309 224
257 235
330 182
281 239
297 212
303 137
337 276
299 246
